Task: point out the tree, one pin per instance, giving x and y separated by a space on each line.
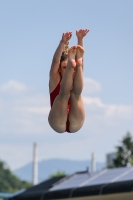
8 181
57 174
124 154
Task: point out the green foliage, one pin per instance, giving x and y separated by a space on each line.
8 181
124 155
57 174
109 167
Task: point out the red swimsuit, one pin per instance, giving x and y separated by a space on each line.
53 95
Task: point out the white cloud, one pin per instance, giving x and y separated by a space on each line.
28 114
13 87
24 119
108 110
39 110
119 111
91 86
96 102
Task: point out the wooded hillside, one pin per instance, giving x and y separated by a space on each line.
10 182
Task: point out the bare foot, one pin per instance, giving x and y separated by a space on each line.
71 56
79 55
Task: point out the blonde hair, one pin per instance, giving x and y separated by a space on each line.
64 55
66 48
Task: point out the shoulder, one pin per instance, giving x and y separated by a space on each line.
53 81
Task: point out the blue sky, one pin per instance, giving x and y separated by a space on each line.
29 34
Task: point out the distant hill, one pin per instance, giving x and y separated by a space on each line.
51 166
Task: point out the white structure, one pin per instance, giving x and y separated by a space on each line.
35 165
93 164
109 159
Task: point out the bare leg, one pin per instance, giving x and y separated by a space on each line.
58 114
67 80
77 113
78 78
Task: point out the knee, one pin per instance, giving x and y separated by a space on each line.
75 95
63 96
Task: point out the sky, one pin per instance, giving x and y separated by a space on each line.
30 32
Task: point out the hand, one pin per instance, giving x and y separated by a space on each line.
66 37
81 33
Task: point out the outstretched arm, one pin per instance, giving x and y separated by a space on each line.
57 55
80 35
